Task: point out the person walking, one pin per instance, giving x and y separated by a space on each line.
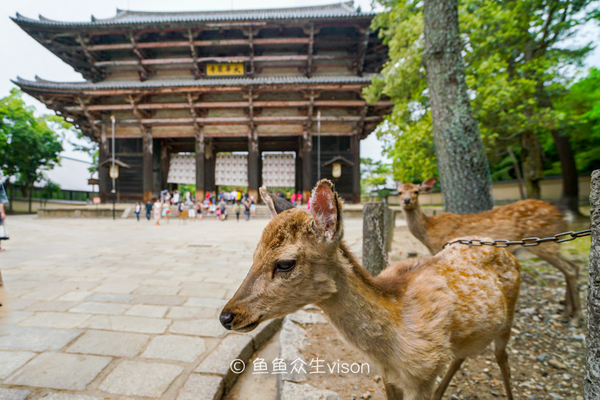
176 197
299 198
223 209
148 210
293 198
3 201
137 210
166 210
247 209
237 209
252 206
157 211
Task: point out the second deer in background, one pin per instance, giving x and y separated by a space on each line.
522 219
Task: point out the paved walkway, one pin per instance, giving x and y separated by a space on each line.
103 309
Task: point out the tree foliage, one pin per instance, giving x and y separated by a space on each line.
28 146
516 71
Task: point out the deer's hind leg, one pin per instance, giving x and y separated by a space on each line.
502 360
454 367
550 252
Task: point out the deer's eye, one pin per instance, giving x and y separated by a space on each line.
284 265
399 192
416 192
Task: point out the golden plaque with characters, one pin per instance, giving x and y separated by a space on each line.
225 69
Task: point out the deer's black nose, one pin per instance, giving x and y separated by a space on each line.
226 319
406 201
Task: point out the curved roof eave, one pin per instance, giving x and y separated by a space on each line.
137 18
42 84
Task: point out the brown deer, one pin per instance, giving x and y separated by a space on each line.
523 219
412 320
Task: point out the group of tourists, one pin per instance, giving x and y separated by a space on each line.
189 208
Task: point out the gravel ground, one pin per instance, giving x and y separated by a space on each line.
547 357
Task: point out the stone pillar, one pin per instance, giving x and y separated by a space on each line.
355 150
307 183
103 172
200 166
373 259
147 181
253 164
592 370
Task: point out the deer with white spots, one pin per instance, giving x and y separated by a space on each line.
522 219
415 320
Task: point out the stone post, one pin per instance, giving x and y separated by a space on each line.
592 370
372 256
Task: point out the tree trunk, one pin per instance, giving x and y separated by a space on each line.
592 368
30 196
12 196
533 169
462 162
570 191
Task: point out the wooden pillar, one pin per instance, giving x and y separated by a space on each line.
200 166
147 181
164 165
307 183
253 165
209 166
355 150
103 173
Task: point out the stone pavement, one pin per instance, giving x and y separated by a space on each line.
102 309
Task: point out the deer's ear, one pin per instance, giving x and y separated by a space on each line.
427 185
327 210
276 204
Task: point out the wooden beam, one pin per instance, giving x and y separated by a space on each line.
360 63
142 71
309 59
88 115
233 104
251 52
195 67
240 120
206 43
185 60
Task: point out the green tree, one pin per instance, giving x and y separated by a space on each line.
515 70
581 122
28 147
373 174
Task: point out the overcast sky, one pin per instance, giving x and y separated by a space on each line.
23 56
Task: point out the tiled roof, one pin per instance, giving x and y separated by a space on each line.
125 17
160 83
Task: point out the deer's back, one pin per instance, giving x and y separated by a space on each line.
525 218
459 299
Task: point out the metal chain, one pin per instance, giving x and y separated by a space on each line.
526 242
381 246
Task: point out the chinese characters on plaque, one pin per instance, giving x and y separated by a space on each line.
225 69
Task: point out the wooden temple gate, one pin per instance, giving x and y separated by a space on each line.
210 82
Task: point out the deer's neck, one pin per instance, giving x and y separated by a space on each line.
362 313
418 223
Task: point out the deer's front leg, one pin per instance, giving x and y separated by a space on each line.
392 392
